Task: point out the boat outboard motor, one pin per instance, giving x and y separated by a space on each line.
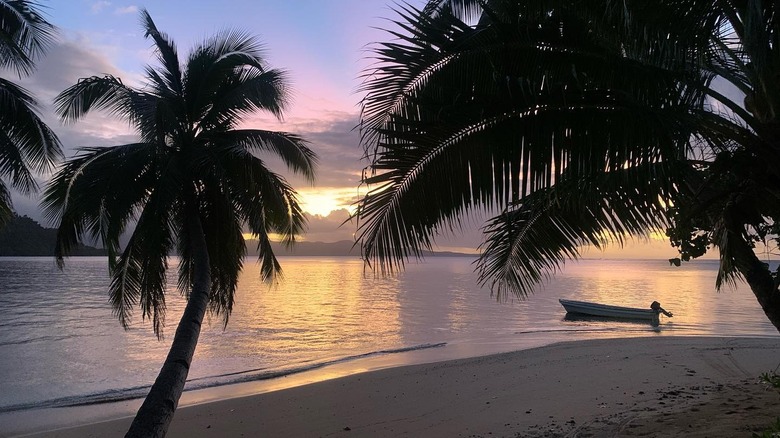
658 309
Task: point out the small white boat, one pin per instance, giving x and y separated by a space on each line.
608 311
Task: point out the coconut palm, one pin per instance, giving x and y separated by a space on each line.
27 145
574 122
189 185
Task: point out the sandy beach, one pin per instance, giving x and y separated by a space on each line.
659 387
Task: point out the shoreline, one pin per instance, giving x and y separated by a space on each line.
626 385
48 419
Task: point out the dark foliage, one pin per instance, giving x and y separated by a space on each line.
22 236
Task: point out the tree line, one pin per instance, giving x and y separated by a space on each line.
22 236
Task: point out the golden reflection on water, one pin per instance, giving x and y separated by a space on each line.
321 308
687 291
330 308
320 305
682 292
459 302
459 309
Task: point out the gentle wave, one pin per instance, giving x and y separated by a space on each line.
116 395
592 330
31 340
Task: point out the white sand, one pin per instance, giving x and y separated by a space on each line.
660 386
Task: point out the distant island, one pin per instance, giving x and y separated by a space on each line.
23 236
341 248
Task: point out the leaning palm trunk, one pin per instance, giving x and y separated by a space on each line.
763 286
156 413
758 277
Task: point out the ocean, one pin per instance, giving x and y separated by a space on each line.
60 345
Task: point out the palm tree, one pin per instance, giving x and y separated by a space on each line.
27 145
190 183
575 122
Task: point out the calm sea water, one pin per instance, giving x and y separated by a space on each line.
60 344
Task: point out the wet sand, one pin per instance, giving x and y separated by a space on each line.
659 387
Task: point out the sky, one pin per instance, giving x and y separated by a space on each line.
321 44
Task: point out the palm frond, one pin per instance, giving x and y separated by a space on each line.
291 148
533 238
226 246
139 275
36 144
466 10
166 53
404 66
25 35
498 162
264 201
270 269
6 205
155 114
216 61
150 113
281 212
505 108
90 195
94 93
14 166
249 91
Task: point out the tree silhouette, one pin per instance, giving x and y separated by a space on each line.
191 183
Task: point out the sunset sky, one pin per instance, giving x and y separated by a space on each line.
322 45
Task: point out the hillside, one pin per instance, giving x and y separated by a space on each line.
23 236
342 248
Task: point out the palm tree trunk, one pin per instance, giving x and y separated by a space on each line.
758 277
156 413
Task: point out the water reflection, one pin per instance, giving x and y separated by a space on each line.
58 336
687 291
322 309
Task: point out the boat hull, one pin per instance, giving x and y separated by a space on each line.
605 310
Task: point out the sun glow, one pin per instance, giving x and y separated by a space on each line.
273 237
658 236
324 200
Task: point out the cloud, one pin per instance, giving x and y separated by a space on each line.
331 134
323 200
338 226
99 6
330 228
339 152
337 144
63 66
132 9
332 137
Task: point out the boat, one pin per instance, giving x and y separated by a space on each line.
608 311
